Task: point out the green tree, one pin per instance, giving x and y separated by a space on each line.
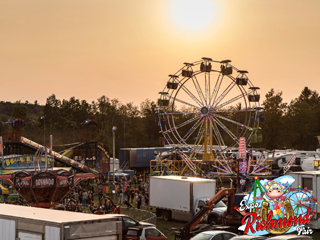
20 111
273 126
148 111
303 120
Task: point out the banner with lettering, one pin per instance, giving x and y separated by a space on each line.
276 207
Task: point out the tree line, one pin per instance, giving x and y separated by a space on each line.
292 125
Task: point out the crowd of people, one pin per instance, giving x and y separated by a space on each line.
126 191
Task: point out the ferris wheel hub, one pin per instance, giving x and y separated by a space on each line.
204 111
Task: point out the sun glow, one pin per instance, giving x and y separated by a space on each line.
193 15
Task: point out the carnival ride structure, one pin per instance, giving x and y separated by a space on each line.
208 107
45 187
40 183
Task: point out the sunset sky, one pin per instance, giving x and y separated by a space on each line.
127 49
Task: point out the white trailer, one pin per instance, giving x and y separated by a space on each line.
30 223
311 181
179 197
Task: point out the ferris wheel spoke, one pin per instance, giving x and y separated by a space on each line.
234 122
191 130
207 86
233 99
177 113
174 128
224 94
217 132
296 210
302 194
234 138
237 111
216 89
168 138
225 166
200 132
191 95
304 206
197 89
297 201
183 102
259 163
197 85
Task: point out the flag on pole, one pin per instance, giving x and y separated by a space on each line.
106 189
50 144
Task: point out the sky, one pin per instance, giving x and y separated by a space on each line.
126 49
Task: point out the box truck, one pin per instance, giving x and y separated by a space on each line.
31 223
180 197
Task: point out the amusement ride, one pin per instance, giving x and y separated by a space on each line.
208 111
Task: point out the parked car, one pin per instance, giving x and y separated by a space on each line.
290 237
248 237
144 233
128 222
207 227
214 235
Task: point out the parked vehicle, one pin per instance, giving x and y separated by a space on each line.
249 237
290 237
128 222
192 194
229 218
139 158
214 235
24 223
144 233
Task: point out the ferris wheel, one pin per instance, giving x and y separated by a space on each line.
207 106
301 200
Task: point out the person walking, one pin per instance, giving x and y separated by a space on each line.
132 194
84 198
76 196
120 191
138 200
128 193
146 200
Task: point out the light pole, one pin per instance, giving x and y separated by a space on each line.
114 129
44 130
